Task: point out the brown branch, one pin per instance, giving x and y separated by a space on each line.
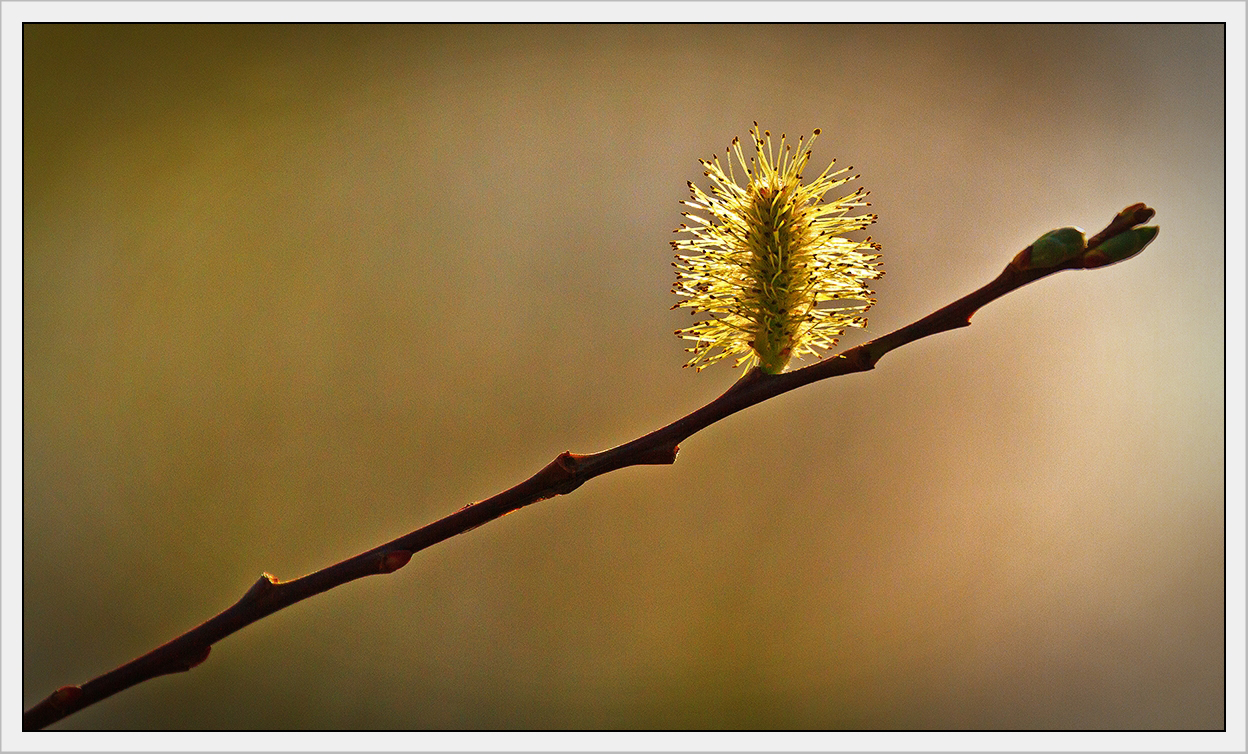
562 475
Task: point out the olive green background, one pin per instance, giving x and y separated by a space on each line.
292 291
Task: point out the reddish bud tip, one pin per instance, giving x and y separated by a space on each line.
394 560
66 695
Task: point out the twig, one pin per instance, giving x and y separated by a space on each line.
569 471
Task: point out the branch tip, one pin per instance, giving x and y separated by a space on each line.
1120 247
1065 248
1137 214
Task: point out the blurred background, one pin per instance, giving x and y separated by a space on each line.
293 291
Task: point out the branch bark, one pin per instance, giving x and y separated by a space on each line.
561 476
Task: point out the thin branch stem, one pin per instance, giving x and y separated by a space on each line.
562 475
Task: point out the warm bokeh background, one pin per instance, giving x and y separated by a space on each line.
291 291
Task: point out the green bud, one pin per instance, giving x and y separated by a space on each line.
1056 247
1122 246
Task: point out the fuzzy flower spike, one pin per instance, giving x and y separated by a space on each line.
765 258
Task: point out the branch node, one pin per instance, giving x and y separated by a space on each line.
65 696
568 462
750 378
261 589
53 707
188 661
661 455
393 561
862 359
182 661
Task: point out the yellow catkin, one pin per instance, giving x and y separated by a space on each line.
765 262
